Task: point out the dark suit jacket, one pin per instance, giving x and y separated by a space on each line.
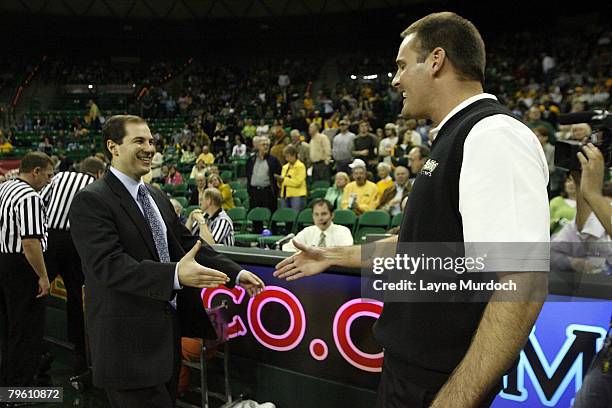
274 167
127 289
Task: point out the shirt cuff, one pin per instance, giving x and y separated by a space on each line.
238 276
177 284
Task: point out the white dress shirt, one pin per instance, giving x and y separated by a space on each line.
502 184
335 236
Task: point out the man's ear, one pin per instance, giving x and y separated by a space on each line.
438 59
111 145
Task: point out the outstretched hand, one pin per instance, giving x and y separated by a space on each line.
307 262
251 283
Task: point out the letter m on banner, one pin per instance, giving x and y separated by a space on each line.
550 380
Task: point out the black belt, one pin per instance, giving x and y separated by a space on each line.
262 188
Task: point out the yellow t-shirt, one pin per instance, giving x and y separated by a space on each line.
382 185
367 195
208 158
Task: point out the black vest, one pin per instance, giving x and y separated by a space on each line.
436 336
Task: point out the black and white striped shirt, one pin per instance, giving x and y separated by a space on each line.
221 227
58 196
23 216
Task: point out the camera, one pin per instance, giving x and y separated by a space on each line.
601 137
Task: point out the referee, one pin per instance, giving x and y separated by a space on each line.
23 276
61 256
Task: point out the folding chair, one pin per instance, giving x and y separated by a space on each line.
219 319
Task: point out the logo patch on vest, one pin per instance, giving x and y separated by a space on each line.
429 167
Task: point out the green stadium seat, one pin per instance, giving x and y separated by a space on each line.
346 218
283 219
320 184
260 214
238 216
304 219
396 221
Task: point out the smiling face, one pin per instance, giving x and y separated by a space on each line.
133 156
412 79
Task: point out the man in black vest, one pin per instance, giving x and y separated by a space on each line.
485 181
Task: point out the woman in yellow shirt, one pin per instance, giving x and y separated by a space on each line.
292 181
226 191
385 181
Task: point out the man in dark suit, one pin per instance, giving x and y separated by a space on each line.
143 271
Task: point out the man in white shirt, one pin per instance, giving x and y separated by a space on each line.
324 233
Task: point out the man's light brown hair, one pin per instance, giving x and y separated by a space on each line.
458 37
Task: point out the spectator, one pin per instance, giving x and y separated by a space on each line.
156 163
386 145
334 193
262 129
303 149
563 207
187 155
343 147
580 132
197 193
384 178
94 113
364 146
415 137
320 153
293 180
239 150
210 222
206 155
174 177
199 169
392 197
5 145
399 155
214 180
178 209
534 119
45 146
324 233
359 195
261 184
249 131
277 150
416 160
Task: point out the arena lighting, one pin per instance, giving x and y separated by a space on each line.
370 76
390 75
353 76
90 86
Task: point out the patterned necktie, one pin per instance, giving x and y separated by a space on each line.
161 244
322 240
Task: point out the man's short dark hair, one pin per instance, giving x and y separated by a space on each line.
423 151
114 129
322 201
92 165
458 37
34 159
290 150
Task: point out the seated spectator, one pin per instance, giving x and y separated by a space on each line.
187 155
45 146
178 209
324 233
563 207
156 164
384 178
262 129
360 195
414 137
174 177
417 157
399 155
249 131
197 193
214 180
206 156
210 222
334 193
212 170
198 170
292 180
393 196
239 150
5 145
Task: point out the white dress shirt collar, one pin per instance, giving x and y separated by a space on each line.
458 108
130 184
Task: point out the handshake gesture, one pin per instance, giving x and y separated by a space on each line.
191 273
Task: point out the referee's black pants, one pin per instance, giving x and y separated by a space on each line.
62 259
262 197
403 386
22 320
